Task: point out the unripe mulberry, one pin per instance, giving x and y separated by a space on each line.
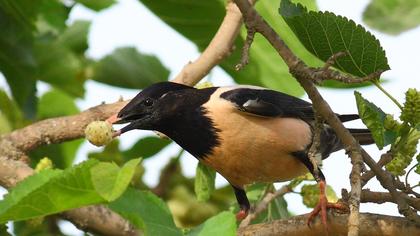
99 133
411 110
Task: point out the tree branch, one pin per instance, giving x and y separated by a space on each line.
219 48
373 225
262 206
305 76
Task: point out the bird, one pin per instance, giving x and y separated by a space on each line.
247 134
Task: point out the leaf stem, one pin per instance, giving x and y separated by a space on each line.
379 86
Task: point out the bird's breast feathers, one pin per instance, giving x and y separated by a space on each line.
254 148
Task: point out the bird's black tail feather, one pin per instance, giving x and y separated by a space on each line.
348 117
363 136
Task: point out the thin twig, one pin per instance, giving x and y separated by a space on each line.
333 58
385 159
262 206
250 33
313 152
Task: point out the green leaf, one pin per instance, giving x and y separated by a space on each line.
128 68
310 194
222 224
111 153
62 155
52 16
96 5
17 62
59 66
325 34
3 230
373 117
146 211
392 16
75 37
265 67
49 192
146 147
255 192
55 103
110 181
204 182
10 110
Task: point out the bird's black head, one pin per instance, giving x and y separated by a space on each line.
147 109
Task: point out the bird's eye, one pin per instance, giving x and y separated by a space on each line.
148 102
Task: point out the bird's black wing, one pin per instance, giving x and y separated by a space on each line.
264 102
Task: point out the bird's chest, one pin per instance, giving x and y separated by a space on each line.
256 149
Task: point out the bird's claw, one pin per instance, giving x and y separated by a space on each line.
241 214
322 207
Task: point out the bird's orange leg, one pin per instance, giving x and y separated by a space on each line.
323 205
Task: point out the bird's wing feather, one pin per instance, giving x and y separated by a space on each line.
269 103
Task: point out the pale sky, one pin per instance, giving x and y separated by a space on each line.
128 23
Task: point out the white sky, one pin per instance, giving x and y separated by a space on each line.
128 23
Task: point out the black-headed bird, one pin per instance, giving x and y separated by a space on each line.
247 134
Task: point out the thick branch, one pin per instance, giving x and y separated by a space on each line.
55 130
373 225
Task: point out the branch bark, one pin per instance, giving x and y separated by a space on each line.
219 48
373 225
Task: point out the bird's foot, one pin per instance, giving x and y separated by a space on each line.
241 214
322 207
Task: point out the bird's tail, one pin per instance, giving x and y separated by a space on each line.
363 136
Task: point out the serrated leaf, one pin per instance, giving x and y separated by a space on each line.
373 117
12 208
75 37
128 68
325 34
265 67
392 16
223 223
96 5
52 191
204 182
146 211
146 147
110 181
49 192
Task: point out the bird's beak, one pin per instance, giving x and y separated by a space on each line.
132 123
114 119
